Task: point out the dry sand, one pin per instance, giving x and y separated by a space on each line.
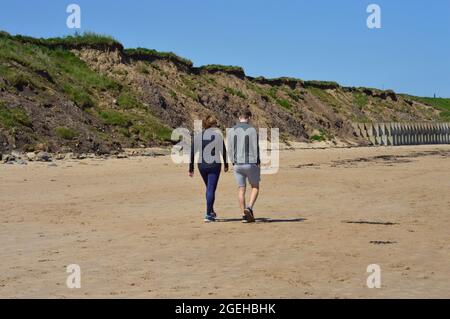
135 226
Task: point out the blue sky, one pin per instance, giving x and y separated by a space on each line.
320 39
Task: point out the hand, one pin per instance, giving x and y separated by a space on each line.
191 174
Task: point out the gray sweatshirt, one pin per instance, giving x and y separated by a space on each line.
243 144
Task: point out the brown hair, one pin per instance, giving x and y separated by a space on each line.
245 113
209 121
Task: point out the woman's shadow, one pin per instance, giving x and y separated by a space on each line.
263 220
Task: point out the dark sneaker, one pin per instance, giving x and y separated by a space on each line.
244 219
213 214
209 218
249 214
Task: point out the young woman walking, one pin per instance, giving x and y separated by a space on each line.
209 164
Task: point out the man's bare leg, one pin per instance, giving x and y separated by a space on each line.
253 196
242 199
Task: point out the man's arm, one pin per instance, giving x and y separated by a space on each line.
230 146
258 159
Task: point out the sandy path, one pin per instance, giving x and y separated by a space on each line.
135 227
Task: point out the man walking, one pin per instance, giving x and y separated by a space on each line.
243 150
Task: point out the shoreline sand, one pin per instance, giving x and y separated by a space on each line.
135 228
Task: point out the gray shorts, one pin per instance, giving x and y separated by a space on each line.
244 171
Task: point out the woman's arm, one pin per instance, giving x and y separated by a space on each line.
224 154
191 162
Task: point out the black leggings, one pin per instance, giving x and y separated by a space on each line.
210 176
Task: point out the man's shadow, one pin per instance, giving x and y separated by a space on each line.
263 220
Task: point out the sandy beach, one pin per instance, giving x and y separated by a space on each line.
135 227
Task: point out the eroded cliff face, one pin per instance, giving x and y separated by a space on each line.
298 108
89 99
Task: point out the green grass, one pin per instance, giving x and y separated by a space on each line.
254 87
139 122
222 68
319 93
79 96
49 67
321 84
210 80
441 104
173 94
235 92
326 98
284 104
20 80
147 127
150 55
189 88
128 101
284 80
143 69
360 99
445 115
16 78
150 130
261 90
187 92
41 67
318 138
115 118
272 92
323 136
77 71
66 133
189 82
87 39
13 117
294 95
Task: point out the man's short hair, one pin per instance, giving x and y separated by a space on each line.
245 113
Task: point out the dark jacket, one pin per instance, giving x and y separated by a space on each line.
195 149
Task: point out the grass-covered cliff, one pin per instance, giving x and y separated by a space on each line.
87 93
